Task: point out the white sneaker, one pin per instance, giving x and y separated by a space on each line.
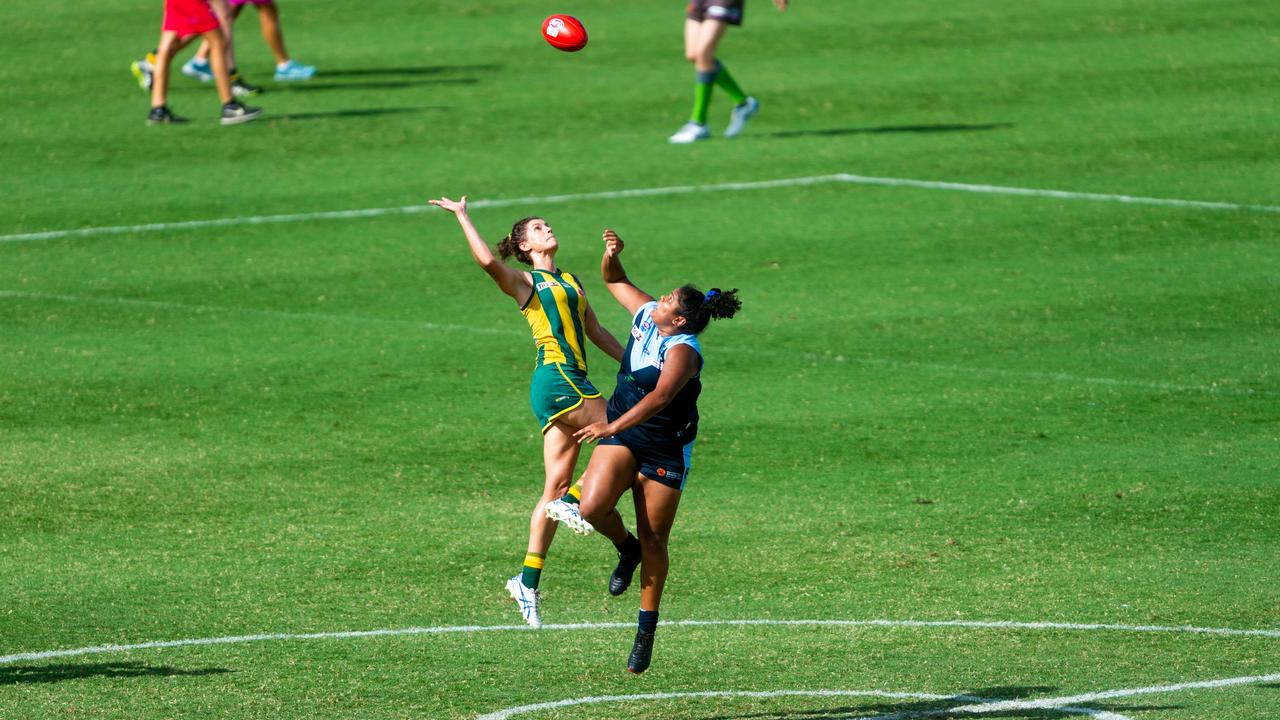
740 115
528 600
691 132
570 515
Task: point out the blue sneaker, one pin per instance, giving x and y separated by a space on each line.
294 70
198 70
740 115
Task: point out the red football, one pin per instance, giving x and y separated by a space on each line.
564 32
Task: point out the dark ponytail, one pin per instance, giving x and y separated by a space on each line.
698 308
510 245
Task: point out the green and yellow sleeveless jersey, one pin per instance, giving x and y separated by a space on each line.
557 315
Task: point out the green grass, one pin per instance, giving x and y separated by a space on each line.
934 406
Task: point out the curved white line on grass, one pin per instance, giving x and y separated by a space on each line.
1225 389
1056 703
642 192
511 712
349 634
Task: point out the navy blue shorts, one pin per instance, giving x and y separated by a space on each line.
668 464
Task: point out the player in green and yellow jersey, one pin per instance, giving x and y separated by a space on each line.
563 399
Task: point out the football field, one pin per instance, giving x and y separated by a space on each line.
996 433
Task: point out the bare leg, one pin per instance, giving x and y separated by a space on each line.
168 47
560 455
218 59
700 42
202 54
269 21
655 512
610 472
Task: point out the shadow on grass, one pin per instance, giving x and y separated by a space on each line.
21 675
419 70
938 708
373 85
355 113
831 132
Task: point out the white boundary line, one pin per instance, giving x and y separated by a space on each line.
443 630
644 192
978 706
416 209
1225 389
506 713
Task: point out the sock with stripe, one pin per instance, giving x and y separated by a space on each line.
574 496
531 573
702 96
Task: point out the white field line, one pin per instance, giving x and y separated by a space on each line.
415 209
1224 389
1058 702
1059 194
506 713
643 192
974 625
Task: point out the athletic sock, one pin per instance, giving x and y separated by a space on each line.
531 573
574 496
648 621
729 85
629 547
702 96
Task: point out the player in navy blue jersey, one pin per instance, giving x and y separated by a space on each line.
646 444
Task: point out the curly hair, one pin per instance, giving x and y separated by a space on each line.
698 308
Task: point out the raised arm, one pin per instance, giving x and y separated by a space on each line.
602 338
615 278
679 366
516 283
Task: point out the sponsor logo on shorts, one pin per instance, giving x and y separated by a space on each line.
717 11
562 398
665 473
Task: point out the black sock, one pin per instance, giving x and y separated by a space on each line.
629 547
648 621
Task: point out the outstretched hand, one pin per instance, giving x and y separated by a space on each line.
612 244
593 432
780 4
457 208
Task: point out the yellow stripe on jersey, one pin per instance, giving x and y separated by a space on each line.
571 334
543 336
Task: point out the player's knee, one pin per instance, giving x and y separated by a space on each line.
653 543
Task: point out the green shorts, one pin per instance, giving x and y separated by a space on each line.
556 389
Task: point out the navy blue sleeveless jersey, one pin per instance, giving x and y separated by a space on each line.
677 423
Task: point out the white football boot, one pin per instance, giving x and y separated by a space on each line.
528 600
690 133
570 515
740 115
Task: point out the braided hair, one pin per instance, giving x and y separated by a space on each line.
698 308
510 245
